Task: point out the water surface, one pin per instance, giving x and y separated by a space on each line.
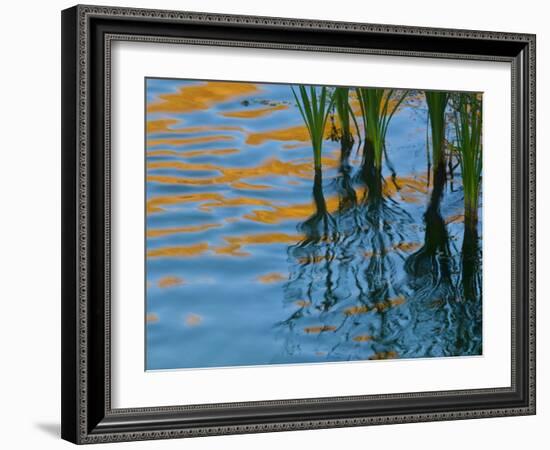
254 258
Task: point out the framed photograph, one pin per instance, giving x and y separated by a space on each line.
279 224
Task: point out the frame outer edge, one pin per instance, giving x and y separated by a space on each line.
532 143
69 313
75 239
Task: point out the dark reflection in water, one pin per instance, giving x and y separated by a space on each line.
256 258
363 297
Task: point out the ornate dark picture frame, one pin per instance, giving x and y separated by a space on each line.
87 33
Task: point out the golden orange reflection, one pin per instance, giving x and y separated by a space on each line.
407 246
457 218
302 303
355 310
319 329
384 355
192 320
296 133
151 318
271 278
188 141
224 202
155 204
254 113
200 182
247 186
235 243
356 107
233 246
370 254
160 125
229 175
178 252
208 201
201 97
363 338
159 232
407 187
299 211
382 306
169 281
193 153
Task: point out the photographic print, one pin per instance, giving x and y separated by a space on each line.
293 224
345 209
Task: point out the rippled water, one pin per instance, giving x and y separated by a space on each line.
253 258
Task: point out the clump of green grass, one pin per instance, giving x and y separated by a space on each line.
314 108
377 109
468 122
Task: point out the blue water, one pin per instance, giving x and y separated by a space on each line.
252 258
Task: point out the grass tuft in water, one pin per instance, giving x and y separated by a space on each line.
377 109
314 108
468 121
